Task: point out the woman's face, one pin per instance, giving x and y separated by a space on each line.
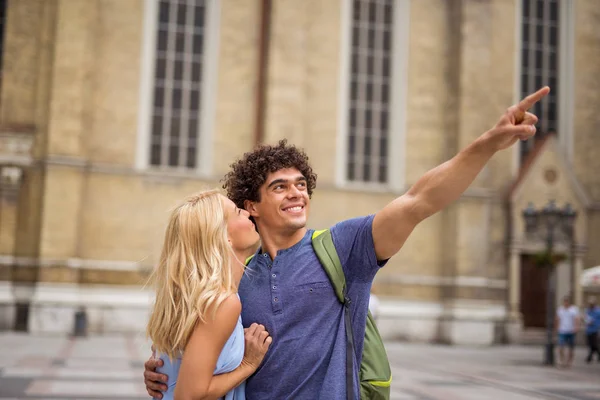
240 229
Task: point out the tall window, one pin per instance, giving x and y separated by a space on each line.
179 63
540 33
370 91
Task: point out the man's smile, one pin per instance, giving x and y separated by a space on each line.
295 209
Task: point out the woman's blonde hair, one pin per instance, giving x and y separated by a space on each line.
193 273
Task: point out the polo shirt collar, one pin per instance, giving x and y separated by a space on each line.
287 252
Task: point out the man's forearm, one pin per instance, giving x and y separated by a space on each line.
430 194
445 183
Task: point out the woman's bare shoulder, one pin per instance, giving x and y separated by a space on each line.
231 304
225 312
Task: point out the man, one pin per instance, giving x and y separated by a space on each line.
567 325
285 286
592 320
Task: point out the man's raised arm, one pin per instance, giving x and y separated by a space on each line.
445 183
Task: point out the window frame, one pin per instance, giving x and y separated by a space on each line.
397 103
565 77
208 82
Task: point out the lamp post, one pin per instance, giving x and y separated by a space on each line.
546 223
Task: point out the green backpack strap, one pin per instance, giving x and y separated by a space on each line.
249 259
375 374
325 250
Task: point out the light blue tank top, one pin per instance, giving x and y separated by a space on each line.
229 359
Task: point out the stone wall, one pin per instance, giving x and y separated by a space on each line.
88 215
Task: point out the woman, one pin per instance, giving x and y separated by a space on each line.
195 325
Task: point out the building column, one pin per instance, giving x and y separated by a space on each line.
514 322
576 284
514 284
475 254
15 155
10 182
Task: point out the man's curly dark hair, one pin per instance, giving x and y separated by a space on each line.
250 172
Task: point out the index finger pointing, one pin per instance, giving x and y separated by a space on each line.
530 100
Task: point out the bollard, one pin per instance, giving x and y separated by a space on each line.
80 326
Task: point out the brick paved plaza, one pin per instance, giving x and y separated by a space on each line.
110 367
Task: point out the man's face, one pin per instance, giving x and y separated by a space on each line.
284 201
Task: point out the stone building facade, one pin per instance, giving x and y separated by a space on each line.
113 110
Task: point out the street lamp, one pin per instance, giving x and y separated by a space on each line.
545 223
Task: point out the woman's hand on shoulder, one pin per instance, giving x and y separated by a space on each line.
257 341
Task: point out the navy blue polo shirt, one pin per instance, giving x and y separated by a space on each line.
294 299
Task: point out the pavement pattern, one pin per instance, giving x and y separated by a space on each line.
111 367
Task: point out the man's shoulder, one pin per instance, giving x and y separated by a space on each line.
253 259
354 221
349 228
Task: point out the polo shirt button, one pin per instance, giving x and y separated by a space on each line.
274 287
275 299
273 275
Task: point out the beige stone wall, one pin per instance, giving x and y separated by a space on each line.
81 72
8 218
461 79
432 129
237 82
96 205
63 191
119 214
21 61
72 83
116 57
431 124
301 97
118 41
593 253
486 88
125 215
322 88
303 106
304 80
28 233
587 96
586 125
537 190
24 104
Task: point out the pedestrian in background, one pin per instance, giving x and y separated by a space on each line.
592 323
567 325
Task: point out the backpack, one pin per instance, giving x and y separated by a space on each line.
374 374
